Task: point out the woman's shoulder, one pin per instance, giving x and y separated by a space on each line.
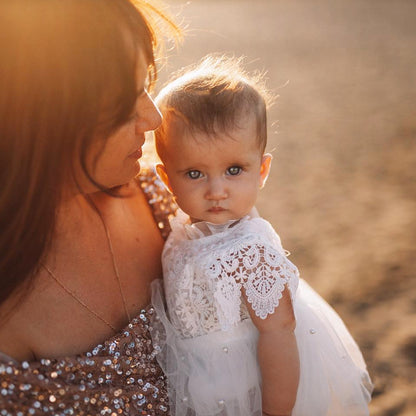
121 373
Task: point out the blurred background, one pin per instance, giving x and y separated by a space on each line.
342 191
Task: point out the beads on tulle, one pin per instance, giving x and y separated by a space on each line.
312 331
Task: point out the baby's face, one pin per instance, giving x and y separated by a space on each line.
215 179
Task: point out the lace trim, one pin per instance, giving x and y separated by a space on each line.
261 270
204 277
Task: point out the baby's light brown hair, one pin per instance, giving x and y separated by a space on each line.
211 98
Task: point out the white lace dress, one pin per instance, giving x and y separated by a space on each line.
208 343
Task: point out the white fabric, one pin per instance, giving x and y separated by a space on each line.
208 342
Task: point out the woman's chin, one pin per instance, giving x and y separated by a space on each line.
130 174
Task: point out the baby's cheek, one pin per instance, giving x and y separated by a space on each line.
186 202
249 197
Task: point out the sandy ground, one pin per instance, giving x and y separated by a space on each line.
342 191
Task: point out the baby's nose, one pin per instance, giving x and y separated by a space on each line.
216 190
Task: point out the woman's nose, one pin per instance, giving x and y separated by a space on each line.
149 115
216 190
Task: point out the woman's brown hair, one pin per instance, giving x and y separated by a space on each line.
67 76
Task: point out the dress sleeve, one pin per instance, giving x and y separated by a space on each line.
261 269
266 273
160 200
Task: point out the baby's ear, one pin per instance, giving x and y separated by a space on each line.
161 171
266 162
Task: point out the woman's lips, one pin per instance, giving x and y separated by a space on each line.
137 154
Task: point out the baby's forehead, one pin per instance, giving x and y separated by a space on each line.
209 150
224 138
177 125
178 135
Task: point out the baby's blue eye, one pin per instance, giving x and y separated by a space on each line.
194 174
234 170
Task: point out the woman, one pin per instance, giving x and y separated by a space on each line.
81 234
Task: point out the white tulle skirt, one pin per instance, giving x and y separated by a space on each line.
218 374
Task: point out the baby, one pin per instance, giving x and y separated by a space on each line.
242 335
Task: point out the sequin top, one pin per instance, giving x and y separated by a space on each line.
118 377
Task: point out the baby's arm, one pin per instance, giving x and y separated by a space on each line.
278 357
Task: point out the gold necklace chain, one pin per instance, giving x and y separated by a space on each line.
115 267
116 272
74 296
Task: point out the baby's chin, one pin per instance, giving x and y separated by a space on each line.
217 218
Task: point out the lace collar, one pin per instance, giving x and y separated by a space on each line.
201 229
